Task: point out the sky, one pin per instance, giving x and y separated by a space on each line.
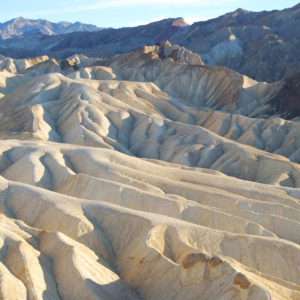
121 13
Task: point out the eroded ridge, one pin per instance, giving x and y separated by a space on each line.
119 178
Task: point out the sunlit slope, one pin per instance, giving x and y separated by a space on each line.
145 178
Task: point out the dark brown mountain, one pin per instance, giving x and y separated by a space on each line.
104 43
263 45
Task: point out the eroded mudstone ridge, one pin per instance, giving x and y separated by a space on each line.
145 176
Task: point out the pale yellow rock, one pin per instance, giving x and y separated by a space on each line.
140 177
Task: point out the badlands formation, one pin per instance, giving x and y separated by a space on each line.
145 176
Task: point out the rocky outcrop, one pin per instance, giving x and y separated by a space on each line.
242 281
178 54
194 258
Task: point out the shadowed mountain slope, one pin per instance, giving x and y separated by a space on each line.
262 45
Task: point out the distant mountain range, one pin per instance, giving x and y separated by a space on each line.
22 28
263 45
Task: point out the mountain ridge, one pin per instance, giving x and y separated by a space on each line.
262 45
19 26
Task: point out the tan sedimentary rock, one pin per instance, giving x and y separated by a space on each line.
114 188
